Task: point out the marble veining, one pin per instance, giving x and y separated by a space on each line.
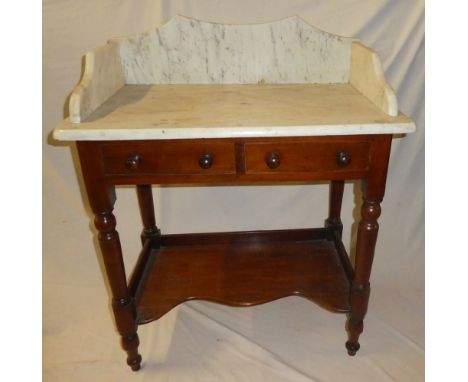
194 79
225 111
188 51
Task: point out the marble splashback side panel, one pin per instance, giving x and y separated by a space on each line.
102 77
188 51
367 76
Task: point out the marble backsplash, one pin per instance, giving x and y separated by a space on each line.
188 51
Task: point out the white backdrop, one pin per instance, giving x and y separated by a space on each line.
287 340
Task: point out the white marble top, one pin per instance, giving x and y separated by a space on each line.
194 79
222 111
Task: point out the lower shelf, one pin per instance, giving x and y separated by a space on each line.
242 269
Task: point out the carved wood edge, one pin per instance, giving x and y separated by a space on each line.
146 315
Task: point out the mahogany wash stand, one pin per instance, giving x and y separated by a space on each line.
202 103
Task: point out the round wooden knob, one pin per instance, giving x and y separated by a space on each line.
133 162
343 158
273 160
205 161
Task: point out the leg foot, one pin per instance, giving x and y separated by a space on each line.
135 363
130 345
354 329
352 348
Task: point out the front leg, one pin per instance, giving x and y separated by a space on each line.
101 196
360 288
373 192
122 303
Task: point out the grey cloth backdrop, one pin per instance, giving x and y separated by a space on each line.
290 339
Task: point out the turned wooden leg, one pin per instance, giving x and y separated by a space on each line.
373 192
333 223
102 198
122 303
145 202
360 288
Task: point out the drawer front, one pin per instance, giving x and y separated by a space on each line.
169 157
306 157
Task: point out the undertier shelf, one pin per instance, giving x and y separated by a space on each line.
242 269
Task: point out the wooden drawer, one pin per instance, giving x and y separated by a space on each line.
169 157
306 157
